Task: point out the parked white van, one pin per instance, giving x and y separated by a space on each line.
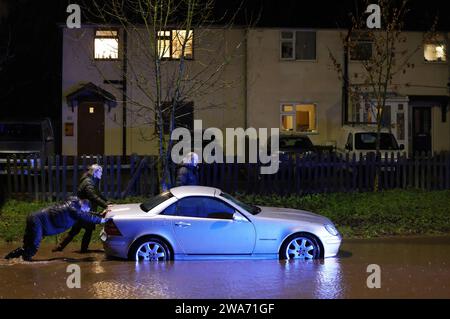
361 140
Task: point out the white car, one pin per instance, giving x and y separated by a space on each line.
194 222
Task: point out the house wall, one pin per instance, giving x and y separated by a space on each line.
247 92
218 95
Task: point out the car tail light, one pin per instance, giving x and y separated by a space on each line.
111 229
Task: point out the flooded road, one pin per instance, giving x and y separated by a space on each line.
410 268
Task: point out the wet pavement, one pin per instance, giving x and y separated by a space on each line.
410 268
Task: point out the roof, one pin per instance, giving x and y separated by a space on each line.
184 191
89 90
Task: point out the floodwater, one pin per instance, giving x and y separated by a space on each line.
410 268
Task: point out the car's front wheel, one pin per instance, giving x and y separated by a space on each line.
300 246
149 249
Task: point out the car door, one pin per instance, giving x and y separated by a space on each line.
205 226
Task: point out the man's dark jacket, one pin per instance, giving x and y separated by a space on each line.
187 175
59 218
88 189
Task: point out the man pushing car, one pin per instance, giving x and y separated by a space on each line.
51 221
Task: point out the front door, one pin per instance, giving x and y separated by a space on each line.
91 128
421 129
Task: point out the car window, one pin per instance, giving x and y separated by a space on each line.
350 141
214 208
367 141
200 207
155 201
190 207
20 132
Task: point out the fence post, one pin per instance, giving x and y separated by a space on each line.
119 172
64 177
43 179
36 177
75 176
57 178
29 177
50 177
8 175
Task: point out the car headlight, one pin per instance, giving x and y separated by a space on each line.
332 229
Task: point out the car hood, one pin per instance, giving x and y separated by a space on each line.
126 210
292 215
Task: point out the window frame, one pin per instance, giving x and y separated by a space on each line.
294 113
107 37
171 58
294 42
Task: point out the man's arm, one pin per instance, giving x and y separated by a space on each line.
89 218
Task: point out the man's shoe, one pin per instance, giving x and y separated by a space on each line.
15 253
27 258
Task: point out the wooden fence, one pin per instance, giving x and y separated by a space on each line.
56 177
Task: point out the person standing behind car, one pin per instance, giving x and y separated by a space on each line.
187 174
88 189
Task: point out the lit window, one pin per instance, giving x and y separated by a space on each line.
436 52
106 45
299 118
91 110
298 45
170 44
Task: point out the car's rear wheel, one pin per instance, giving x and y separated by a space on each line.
150 249
300 247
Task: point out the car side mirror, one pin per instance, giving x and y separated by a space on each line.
348 147
402 147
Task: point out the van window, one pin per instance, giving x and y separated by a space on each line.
350 141
20 132
367 141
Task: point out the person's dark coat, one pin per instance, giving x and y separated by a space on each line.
187 175
88 189
59 218
52 221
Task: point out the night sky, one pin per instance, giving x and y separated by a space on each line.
30 81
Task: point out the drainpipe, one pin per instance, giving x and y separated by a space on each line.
124 92
246 78
345 82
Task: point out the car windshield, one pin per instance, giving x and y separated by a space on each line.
20 132
367 141
296 144
155 201
252 209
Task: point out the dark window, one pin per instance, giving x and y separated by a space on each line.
200 207
155 201
361 47
298 45
305 45
184 116
217 209
367 141
190 207
296 144
20 132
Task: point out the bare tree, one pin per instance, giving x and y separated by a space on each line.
387 57
160 63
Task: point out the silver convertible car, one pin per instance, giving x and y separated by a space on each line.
194 222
